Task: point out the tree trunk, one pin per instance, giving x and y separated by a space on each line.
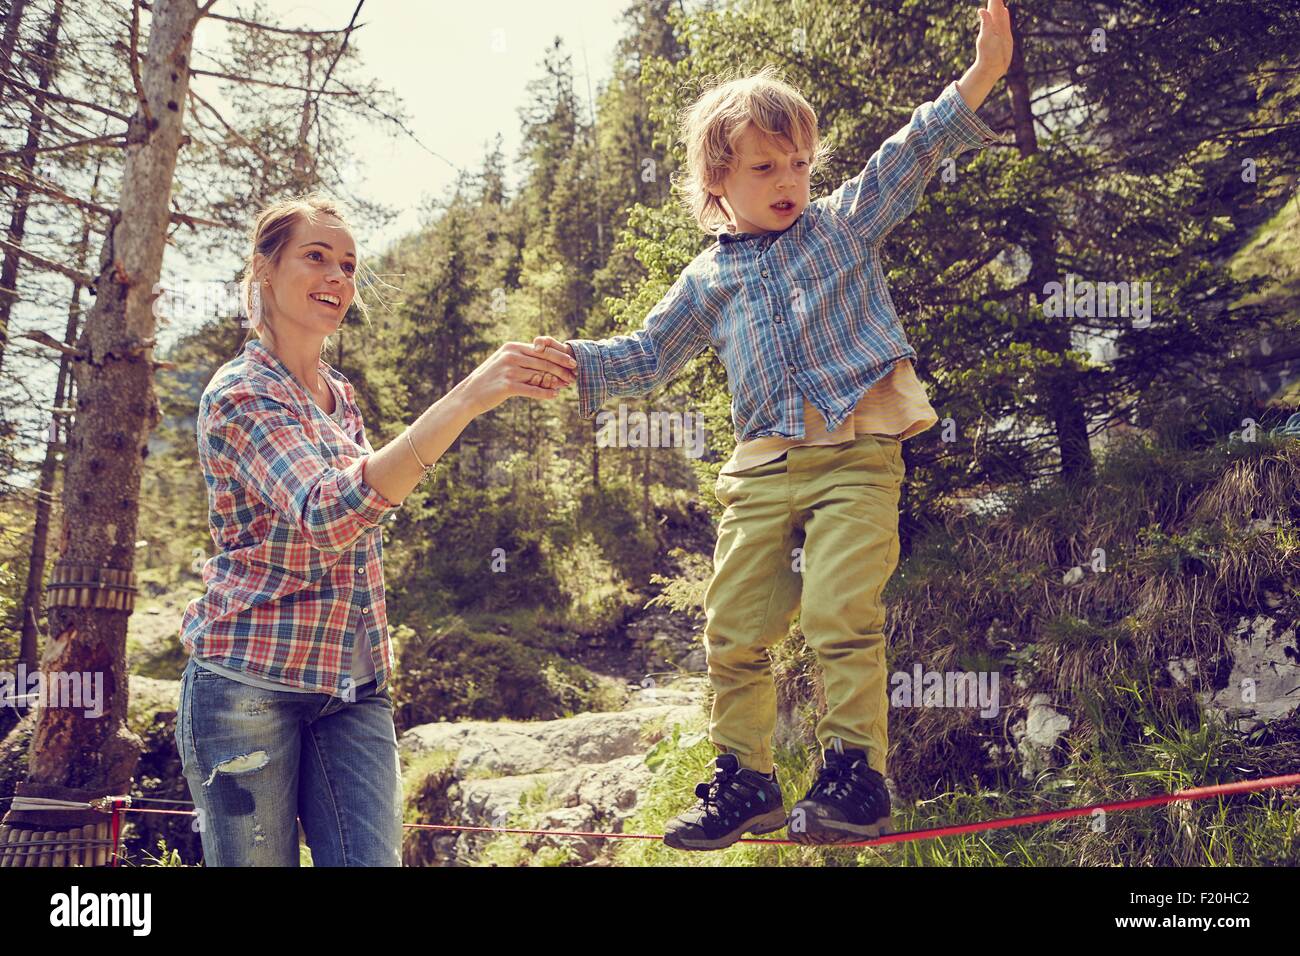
75 757
27 161
645 470
9 40
32 607
1059 387
304 171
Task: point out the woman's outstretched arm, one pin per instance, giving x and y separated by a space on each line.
393 471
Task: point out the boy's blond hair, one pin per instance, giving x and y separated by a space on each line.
712 124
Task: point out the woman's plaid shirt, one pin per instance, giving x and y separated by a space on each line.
300 554
801 312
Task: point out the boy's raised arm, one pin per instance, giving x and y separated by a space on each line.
891 183
674 333
993 49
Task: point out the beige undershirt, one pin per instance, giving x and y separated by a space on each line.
895 407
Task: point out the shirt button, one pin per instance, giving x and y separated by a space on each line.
790 366
365 610
763 273
777 320
361 570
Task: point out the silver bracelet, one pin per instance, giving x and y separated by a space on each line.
427 468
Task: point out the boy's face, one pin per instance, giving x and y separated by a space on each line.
769 172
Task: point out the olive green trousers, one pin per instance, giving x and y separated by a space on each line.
815 531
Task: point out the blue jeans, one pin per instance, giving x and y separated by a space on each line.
259 760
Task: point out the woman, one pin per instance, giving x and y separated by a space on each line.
285 709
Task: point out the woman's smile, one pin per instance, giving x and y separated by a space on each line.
327 299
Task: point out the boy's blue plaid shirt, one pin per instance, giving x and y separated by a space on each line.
801 311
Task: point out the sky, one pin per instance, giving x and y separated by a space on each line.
461 69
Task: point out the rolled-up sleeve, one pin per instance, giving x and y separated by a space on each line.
673 334
261 441
891 184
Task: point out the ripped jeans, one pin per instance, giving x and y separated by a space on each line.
257 761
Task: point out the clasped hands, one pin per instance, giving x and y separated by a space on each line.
545 344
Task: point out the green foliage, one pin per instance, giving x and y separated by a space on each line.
1159 551
9 601
1098 196
657 755
531 543
472 547
442 311
426 782
1068 630
684 593
1134 740
610 518
457 671
166 857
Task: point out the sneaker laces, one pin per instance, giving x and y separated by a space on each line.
840 778
719 796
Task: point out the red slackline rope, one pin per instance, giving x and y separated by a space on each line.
1193 793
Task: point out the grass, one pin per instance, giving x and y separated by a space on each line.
1274 251
1177 747
1173 552
512 849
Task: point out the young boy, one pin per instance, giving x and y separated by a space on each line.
792 297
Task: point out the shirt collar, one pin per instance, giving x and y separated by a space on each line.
726 236
256 349
765 239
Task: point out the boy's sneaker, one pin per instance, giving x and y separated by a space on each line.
736 801
849 801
